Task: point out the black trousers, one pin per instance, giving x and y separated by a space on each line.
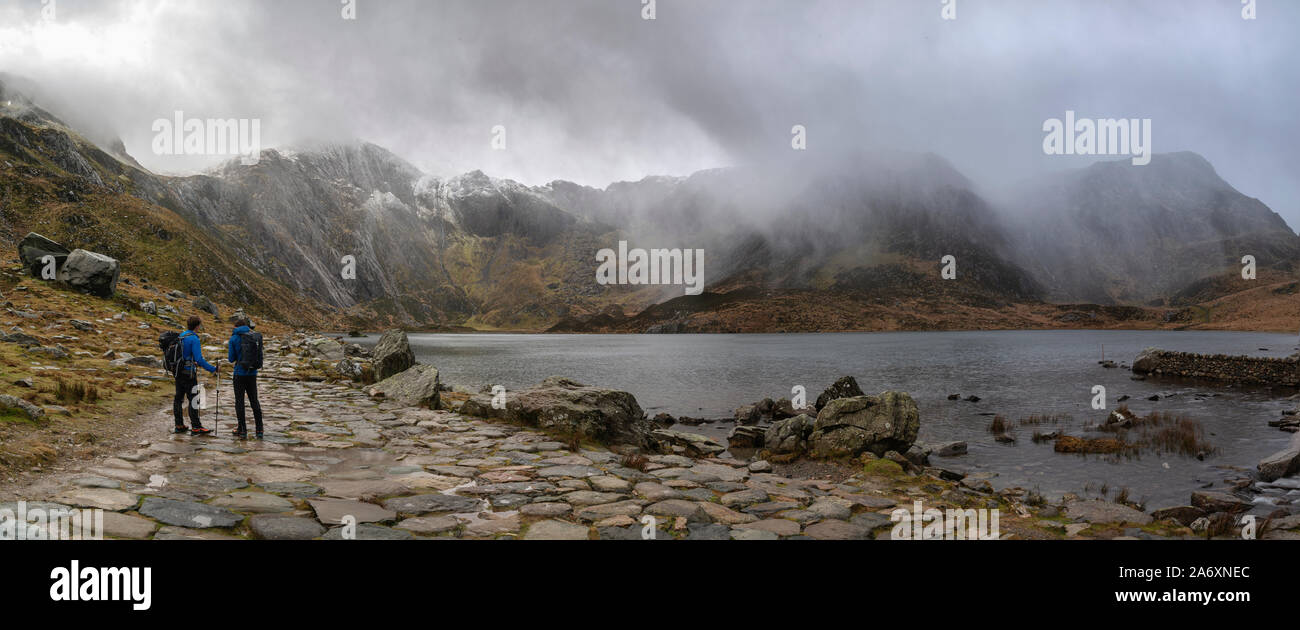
246 385
186 390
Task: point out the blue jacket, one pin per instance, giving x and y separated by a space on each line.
191 349
233 352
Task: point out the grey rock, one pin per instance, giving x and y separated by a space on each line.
91 273
392 355
370 531
429 503
878 424
1096 511
416 387
188 514
14 405
556 530
34 247
283 527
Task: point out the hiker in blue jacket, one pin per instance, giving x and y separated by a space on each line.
245 375
187 379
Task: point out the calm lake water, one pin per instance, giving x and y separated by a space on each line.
1015 373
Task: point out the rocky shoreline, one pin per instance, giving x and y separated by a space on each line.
409 458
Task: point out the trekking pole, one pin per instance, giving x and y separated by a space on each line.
217 422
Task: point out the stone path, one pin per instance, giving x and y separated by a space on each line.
333 456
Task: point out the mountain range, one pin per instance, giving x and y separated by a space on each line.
853 243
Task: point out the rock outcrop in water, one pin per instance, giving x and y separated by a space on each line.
1281 463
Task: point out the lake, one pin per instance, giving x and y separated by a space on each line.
1015 374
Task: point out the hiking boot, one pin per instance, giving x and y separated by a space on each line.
200 431
240 434
259 435
180 428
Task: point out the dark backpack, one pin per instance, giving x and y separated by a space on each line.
170 343
250 351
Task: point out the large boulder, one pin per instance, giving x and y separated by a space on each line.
34 247
845 387
392 354
328 349
1281 463
91 273
789 435
879 424
204 304
567 407
416 387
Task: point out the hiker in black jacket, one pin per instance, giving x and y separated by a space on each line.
244 341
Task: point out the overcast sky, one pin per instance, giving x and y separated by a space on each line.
590 92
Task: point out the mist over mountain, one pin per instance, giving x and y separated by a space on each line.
1113 233
860 231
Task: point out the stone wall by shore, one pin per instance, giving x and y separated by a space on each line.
1220 367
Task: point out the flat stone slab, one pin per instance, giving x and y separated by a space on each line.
573 470
778 526
493 525
370 489
127 526
722 514
332 511
282 527
689 510
556 530
181 533
253 502
369 532
620 508
118 474
102 498
549 509
429 524
430 503
203 484
188 514
837 530
293 489
583 498
97 482
1097 511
